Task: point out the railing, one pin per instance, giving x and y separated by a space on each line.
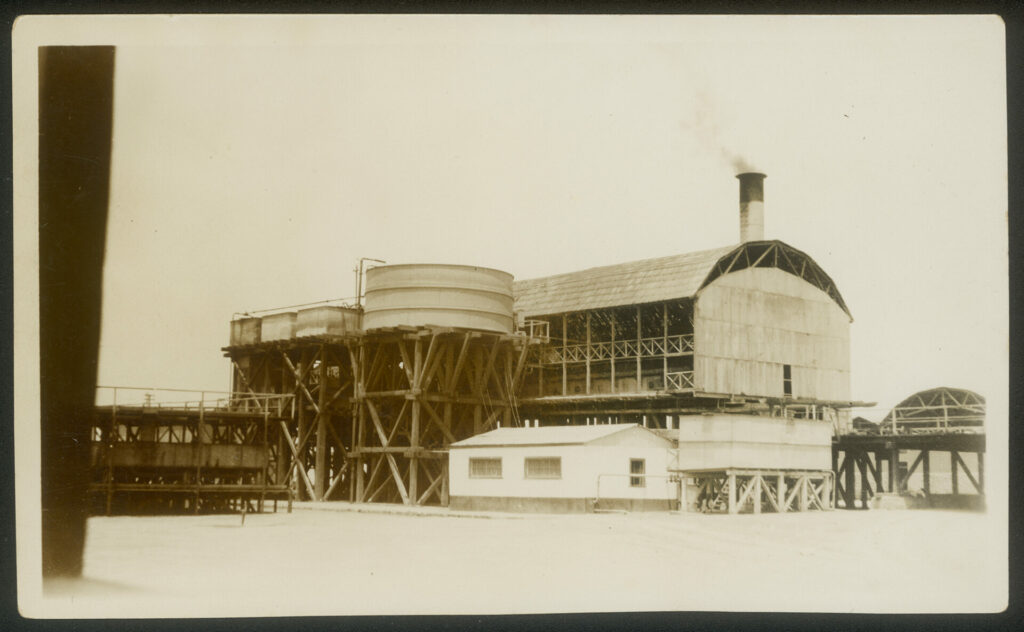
148 397
621 349
679 381
539 329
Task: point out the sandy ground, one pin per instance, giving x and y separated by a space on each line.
334 560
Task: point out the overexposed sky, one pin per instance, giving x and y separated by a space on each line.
255 160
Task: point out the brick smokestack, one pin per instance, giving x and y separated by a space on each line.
751 206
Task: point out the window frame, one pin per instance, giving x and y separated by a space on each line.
787 380
535 459
490 459
638 479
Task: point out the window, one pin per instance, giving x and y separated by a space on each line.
637 466
543 467
787 380
485 468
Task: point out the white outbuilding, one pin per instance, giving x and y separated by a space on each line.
563 469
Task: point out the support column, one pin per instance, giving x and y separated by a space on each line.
780 488
324 418
360 391
849 493
639 351
894 465
981 471
414 434
954 472
732 493
664 345
878 471
862 458
283 453
927 473
612 355
300 403
756 482
587 353
565 377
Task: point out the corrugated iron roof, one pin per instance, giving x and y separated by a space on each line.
636 282
547 435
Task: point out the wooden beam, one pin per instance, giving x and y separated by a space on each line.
457 371
927 473
297 463
322 419
981 472
407 364
396 475
439 422
913 466
434 484
967 472
520 365
423 371
954 474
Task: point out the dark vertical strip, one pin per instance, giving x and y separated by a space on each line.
76 86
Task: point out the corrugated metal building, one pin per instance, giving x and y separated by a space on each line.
758 326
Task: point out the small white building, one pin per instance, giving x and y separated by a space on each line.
563 469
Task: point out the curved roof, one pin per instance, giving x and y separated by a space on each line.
662 279
938 407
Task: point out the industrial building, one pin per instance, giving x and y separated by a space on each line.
753 327
733 364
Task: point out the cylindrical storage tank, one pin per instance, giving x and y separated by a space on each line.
326 319
277 327
245 331
437 294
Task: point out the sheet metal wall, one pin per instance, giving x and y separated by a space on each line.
748 324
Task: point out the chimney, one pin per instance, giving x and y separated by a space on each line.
751 206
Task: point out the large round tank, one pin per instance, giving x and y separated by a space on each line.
438 294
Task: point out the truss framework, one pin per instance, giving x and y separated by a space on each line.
775 254
936 409
148 459
754 491
374 414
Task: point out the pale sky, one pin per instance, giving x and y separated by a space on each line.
256 160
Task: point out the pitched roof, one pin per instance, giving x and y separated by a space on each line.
547 435
663 279
633 283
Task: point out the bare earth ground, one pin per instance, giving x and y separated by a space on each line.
334 560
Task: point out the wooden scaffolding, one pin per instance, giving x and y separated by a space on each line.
373 414
867 465
754 490
209 455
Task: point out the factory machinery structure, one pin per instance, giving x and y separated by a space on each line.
739 356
